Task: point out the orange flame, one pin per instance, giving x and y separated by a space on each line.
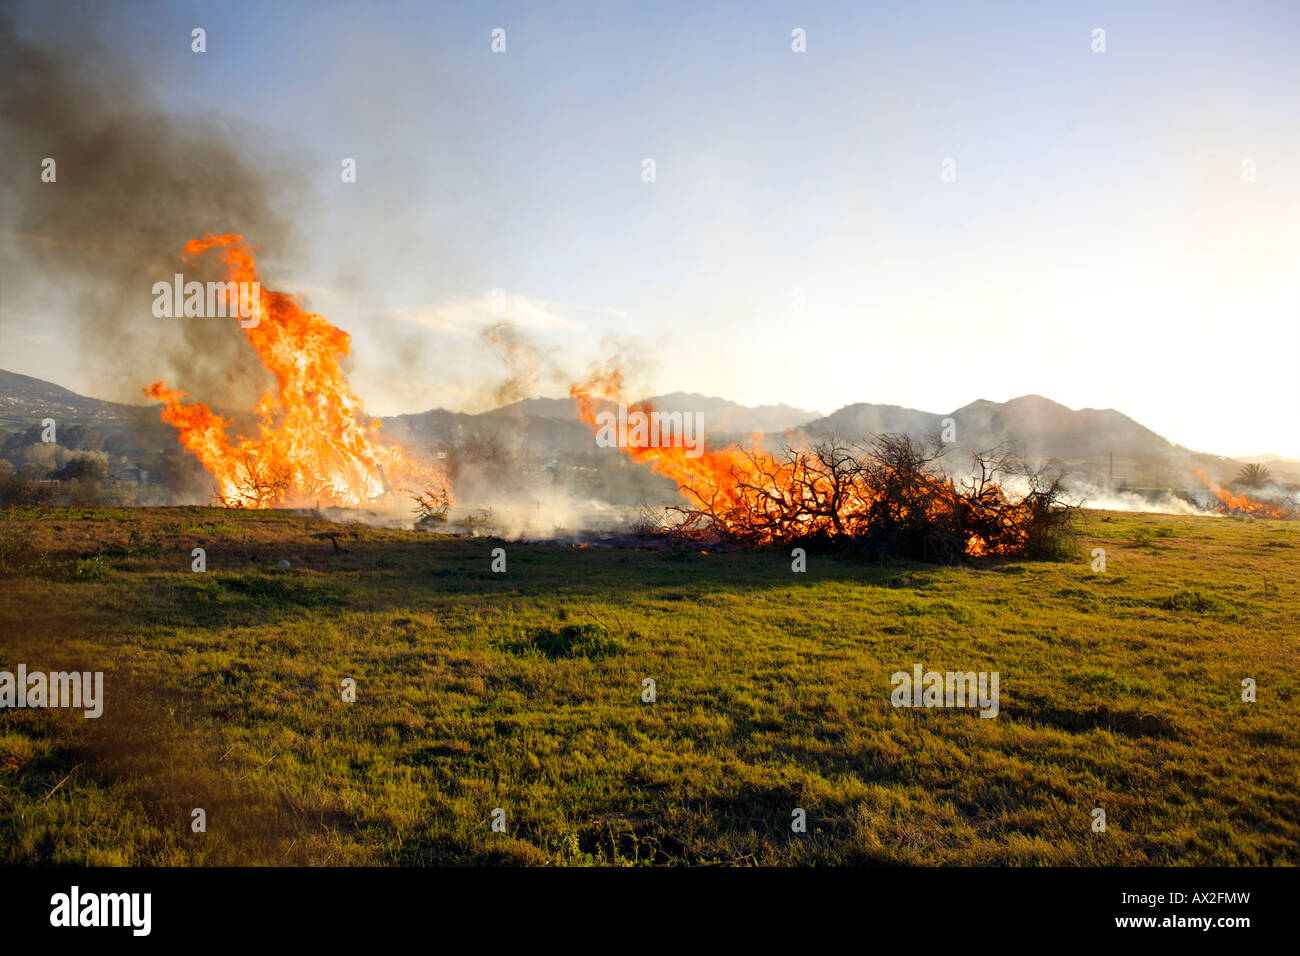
715 475
735 482
1232 503
312 447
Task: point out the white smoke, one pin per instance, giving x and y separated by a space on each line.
1165 503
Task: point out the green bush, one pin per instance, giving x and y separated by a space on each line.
1197 602
88 569
592 641
19 556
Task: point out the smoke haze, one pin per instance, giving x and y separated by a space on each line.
133 184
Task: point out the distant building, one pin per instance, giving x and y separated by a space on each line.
129 475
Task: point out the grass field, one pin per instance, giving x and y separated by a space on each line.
522 691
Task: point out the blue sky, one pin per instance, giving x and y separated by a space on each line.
1099 245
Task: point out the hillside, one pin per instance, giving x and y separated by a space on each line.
25 400
1094 444
1084 440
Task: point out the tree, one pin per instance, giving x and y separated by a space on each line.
1253 476
81 438
84 468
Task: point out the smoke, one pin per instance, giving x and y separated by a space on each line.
1089 495
545 514
528 363
133 183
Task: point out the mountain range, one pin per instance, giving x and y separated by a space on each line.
1094 444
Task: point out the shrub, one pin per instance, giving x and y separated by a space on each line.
88 569
591 640
18 555
1195 601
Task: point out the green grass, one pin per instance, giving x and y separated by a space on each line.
476 690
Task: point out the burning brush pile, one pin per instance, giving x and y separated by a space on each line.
887 497
1235 503
312 449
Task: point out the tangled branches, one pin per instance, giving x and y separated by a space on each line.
257 484
888 497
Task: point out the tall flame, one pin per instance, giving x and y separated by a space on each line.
715 475
312 447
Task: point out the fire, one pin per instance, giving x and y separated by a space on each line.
757 497
717 476
312 447
1236 504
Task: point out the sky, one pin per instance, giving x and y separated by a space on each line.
1101 245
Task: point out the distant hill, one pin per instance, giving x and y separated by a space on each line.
559 409
853 422
550 427
23 398
1042 427
1091 443
1270 460
731 418
720 415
